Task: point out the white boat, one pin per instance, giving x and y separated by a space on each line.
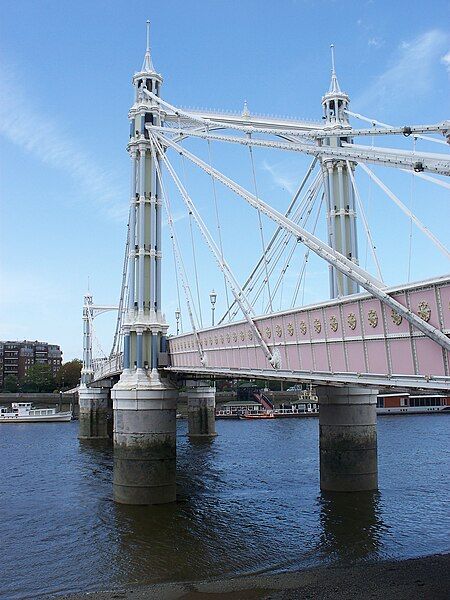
22 412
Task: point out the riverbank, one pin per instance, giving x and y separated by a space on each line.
423 578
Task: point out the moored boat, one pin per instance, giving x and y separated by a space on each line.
23 412
262 415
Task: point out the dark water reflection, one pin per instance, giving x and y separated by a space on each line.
249 501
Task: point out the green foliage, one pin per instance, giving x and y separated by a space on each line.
11 384
69 375
39 378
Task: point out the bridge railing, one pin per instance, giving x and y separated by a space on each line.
106 367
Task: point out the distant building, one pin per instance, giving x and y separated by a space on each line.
17 357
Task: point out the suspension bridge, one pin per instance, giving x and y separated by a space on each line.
366 336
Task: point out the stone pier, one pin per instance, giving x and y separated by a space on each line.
144 442
95 418
201 406
348 438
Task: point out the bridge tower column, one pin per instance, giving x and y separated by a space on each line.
144 402
339 193
348 438
201 406
94 402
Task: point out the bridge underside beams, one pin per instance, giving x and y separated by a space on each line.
351 340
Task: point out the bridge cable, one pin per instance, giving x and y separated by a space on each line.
270 246
340 262
261 230
306 214
295 245
302 274
193 248
219 229
406 210
411 202
375 122
279 248
177 253
359 202
238 293
123 292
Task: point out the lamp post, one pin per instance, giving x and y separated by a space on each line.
213 298
177 317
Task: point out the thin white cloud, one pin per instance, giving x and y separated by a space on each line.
410 75
44 138
445 60
279 178
375 42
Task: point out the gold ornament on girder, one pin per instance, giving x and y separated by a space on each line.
372 317
333 323
424 311
351 320
396 317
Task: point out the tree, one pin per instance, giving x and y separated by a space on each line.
11 384
39 378
69 374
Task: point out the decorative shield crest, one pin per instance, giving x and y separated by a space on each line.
372 317
317 325
351 320
303 327
279 331
396 318
333 323
290 329
424 311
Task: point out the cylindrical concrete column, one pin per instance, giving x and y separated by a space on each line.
201 406
348 438
95 419
144 445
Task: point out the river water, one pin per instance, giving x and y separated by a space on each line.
249 502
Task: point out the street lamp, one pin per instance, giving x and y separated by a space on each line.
177 317
213 298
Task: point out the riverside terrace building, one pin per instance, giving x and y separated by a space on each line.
17 357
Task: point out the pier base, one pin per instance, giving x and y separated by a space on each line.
348 439
144 440
201 406
95 413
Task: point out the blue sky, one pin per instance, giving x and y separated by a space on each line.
65 72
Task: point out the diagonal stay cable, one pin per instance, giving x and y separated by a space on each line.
334 258
234 285
278 230
406 210
177 253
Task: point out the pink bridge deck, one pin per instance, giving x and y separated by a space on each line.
356 339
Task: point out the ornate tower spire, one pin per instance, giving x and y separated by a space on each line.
335 100
334 85
147 65
341 214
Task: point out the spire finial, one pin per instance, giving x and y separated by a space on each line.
333 70
334 85
147 65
